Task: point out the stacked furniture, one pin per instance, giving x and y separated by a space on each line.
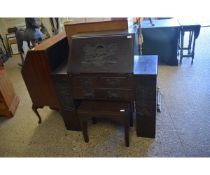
92 62
100 70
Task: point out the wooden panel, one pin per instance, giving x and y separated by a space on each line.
63 91
102 81
102 53
50 41
103 94
35 73
8 99
71 120
72 29
103 86
39 64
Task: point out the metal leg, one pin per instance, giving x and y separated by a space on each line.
158 100
193 49
182 46
34 108
190 42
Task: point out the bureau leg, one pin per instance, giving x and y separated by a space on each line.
84 131
34 108
126 130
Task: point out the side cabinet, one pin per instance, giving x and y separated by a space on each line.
145 74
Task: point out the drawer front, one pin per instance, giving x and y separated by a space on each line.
82 82
103 82
103 94
63 91
115 82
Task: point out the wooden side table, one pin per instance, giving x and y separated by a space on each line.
8 98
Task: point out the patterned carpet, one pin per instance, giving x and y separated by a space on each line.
183 126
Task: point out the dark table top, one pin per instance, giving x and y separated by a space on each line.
160 23
145 65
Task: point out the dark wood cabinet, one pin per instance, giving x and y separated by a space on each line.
161 39
38 66
145 73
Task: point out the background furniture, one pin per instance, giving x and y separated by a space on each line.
161 39
193 32
12 42
8 99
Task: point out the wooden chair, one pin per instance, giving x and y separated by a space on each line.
117 111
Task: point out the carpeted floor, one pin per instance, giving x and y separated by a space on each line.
183 126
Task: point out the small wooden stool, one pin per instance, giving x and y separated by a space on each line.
117 111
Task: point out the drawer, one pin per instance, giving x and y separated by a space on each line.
114 94
103 94
103 82
115 82
84 81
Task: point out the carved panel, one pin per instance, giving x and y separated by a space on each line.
145 98
63 91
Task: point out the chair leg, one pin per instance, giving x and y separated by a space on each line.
193 50
131 118
127 136
84 131
126 127
190 42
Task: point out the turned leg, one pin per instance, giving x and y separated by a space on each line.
84 131
34 108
